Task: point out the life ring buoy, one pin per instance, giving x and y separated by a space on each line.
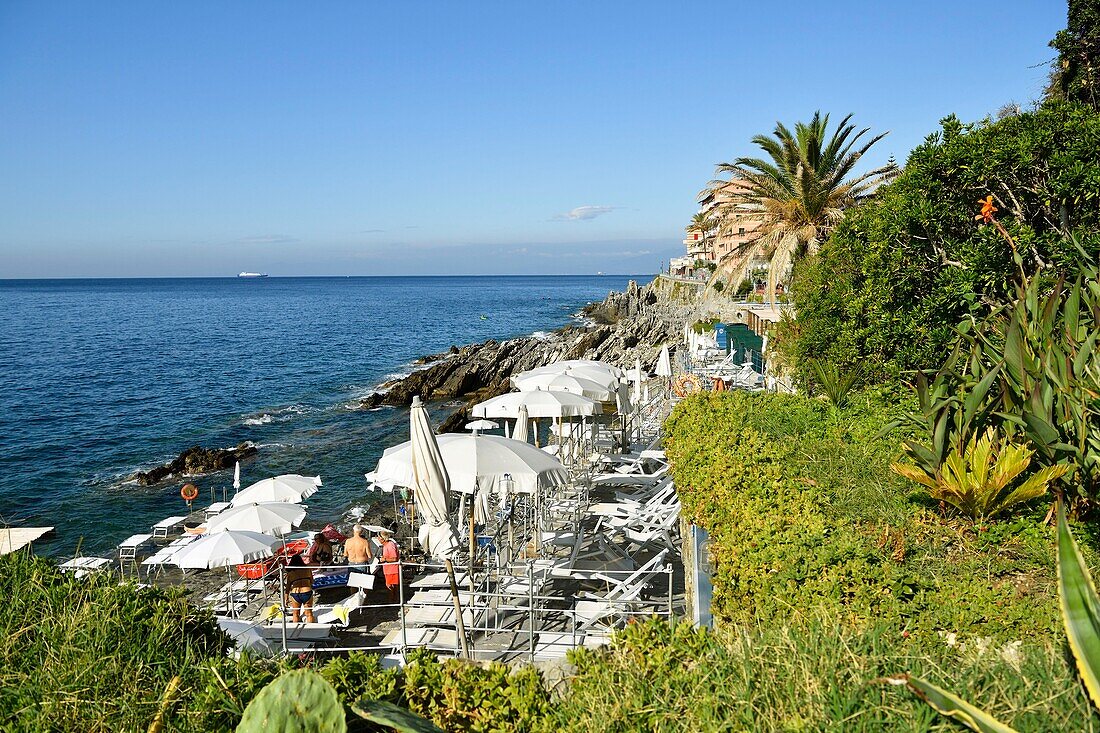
686 384
189 492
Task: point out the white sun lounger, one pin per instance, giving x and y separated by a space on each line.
161 528
437 639
214 509
81 566
127 549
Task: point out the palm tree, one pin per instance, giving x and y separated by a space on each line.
795 196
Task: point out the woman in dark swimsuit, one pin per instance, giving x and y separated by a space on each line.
299 583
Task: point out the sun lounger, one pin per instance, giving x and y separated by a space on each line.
214 509
81 566
437 639
621 591
439 580
127 550
555 644
164 526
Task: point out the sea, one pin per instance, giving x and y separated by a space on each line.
103 378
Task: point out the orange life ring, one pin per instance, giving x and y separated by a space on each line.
686 384
189 492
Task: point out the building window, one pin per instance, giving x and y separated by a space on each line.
741 231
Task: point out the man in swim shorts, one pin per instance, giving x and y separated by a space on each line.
357 548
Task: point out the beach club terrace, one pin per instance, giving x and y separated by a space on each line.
550 522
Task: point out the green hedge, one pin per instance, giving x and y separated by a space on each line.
807 519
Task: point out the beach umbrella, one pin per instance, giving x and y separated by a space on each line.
564 383
222 549
636 377
538 403
431 482
289 487
664 363
471 460
478 425
237 475
273 517
598 373
522 429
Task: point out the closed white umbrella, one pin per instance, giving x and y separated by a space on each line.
237 475
521 432
232 547
564 383
664 363
431 482
538 403
289 487
473 459
636 377
273 517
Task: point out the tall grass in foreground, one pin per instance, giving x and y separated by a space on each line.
90 654
810 678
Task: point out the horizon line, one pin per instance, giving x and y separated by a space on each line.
319 277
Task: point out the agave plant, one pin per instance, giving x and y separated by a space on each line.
980 478
836 385
1081 617
1032 370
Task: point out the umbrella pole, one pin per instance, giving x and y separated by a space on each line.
459 624
473 547
282 601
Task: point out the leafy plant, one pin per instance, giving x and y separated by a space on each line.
393 716
979 478
300 701
1081 617
835 383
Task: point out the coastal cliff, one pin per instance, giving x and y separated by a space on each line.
628 325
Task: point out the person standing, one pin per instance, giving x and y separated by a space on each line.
357 548
299 583
391 565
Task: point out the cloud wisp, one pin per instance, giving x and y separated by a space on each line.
585 213
269 239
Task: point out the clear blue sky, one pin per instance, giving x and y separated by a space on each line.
359 138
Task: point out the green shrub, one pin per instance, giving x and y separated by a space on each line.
901 271
806 518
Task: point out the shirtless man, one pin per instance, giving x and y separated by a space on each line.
357 548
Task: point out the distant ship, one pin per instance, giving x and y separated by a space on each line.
253 274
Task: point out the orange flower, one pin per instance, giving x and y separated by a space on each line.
988 210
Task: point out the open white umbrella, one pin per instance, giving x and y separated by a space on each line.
471 460
477 425
564 383
289 487
664 363
272 517
522 430
231 547
600 374
431 482
583 364
538 403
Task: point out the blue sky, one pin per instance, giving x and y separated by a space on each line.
157 139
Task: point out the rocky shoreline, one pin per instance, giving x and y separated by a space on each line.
628 325
196 461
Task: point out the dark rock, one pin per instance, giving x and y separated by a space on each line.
195 461
631 324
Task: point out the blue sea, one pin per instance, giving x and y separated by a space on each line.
101 378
